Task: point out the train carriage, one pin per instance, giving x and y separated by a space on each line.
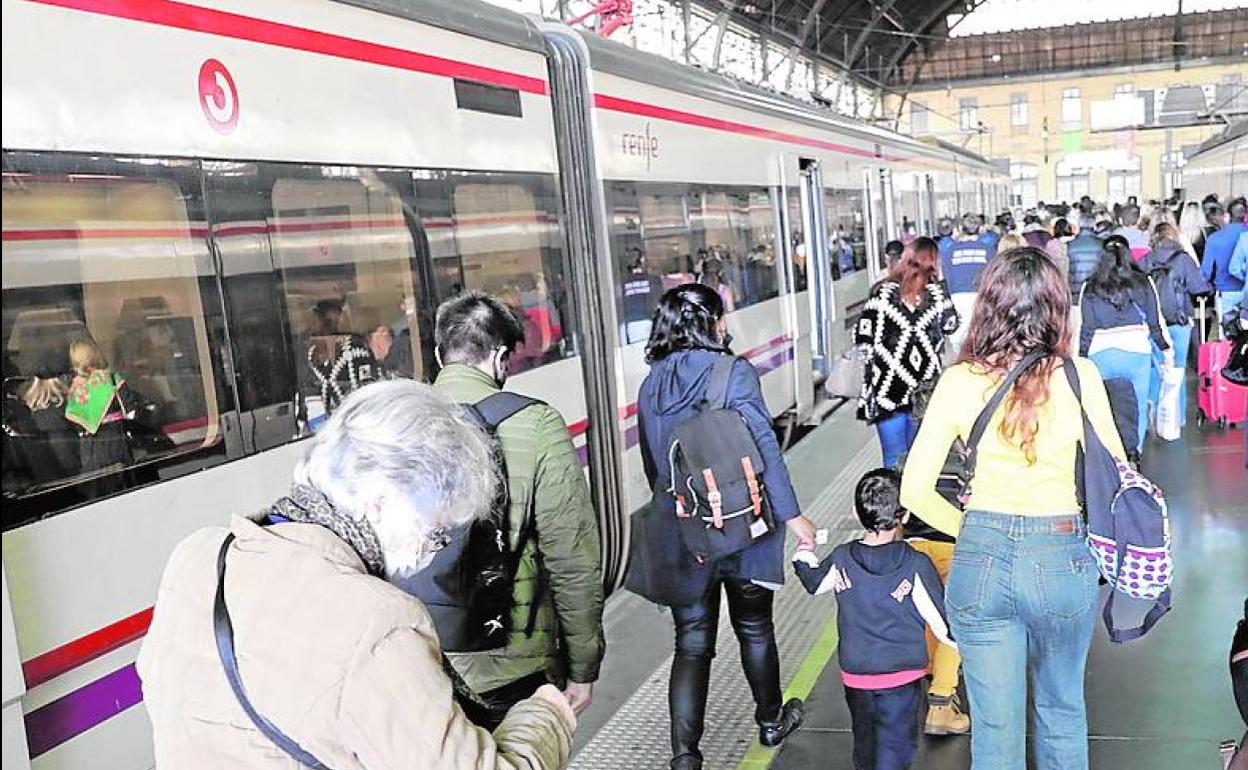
224 199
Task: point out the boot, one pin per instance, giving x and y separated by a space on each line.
687 762
945 717
790 718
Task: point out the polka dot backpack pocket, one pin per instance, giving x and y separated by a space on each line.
1128 528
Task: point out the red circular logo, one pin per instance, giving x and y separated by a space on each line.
218 96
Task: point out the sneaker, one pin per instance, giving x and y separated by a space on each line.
771 734
945 717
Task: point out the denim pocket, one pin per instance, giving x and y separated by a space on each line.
968 581
1067 589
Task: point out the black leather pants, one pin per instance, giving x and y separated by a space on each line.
749 608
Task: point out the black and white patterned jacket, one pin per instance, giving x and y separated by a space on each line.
905 345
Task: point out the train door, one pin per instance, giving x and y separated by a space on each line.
822 300
16 753
873 196
806 247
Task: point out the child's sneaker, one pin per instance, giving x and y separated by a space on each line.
945 717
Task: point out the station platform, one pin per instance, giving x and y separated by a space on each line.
1163 703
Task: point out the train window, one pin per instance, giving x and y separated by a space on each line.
664 235
507 242
112 329
847 235
318 269
797 240
735 237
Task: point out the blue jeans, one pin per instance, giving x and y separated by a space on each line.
1135 367
1181 337
897 432
1022 597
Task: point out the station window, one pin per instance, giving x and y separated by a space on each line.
665 235
847 235
1072 187
968 113
112 329
1072 108
1025 184
1019 110
918 118
1123 184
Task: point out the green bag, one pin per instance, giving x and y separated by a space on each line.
90 399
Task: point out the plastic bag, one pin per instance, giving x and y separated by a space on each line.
1169 405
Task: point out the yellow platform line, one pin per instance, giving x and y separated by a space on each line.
758 756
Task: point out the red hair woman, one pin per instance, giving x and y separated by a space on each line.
903 326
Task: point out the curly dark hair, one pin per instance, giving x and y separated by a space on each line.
685 320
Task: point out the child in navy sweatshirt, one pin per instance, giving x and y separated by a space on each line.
887 593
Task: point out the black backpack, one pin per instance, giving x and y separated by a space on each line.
1172 291
716 472
468 586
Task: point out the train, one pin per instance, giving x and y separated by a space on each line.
1219 165
222 195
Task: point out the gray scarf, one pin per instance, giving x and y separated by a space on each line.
306 504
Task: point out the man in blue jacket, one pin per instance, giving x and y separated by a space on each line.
960 268
1216 265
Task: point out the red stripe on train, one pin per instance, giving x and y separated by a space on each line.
233 25
57 661
616 104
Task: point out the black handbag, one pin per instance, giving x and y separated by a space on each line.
954 482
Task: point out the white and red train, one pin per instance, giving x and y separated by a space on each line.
214 192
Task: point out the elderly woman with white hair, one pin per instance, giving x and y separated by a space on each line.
282 640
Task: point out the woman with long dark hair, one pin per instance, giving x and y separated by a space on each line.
1120 311
903 326
1022 590
688 338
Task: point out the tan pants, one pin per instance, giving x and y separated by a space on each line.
943 660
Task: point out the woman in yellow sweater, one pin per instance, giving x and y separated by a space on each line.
1023 586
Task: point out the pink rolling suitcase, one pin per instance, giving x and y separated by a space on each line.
1217 400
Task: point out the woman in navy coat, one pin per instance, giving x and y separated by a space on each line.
688 336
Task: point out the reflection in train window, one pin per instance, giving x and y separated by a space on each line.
847 237
507 238
344 255
664 235
112 329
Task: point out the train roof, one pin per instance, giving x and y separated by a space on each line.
488 22
625 61
1233 132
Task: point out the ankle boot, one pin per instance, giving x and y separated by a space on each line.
771 733
945 717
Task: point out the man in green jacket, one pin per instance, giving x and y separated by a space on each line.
560 569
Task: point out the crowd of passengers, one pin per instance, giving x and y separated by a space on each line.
309 631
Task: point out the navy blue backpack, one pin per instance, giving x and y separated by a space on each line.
1128 526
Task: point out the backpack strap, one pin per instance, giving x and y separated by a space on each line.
717 386
985 416
224 630
497 408
489 413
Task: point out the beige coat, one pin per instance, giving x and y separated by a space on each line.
344 663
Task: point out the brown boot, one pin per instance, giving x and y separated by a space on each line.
945 717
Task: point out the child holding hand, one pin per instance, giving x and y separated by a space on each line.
887 594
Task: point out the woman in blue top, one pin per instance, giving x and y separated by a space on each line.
1122 323
688 336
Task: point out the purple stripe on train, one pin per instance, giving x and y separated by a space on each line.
49 726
